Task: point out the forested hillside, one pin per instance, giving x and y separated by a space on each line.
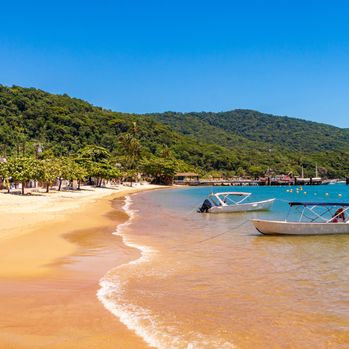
239 142
291 133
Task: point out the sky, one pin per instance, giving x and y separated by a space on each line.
284 57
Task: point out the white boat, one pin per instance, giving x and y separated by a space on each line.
341 182
314 219
333 181
227 202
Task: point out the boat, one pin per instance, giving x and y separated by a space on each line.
315 218
334 181
227 202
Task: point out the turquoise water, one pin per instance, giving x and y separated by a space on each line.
212 281
191 198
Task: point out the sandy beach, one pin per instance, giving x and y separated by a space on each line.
54 248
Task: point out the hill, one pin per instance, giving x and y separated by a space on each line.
234 142
293 134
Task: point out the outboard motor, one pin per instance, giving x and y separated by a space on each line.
205 206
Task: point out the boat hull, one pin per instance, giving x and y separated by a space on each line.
244 207
299 228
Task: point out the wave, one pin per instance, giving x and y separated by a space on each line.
142 321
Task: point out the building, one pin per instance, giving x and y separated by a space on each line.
186 178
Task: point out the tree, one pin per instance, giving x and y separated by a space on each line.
50 171
23 169
97 163
130 149
104 170
93 153
162 170
256 171
4 173
72 170
240 172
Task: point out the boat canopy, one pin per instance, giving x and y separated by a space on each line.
346 204
227 198
236 193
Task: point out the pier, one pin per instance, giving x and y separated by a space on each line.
250 182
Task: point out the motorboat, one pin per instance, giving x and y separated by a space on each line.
227 202
314 218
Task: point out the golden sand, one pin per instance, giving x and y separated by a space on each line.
53 251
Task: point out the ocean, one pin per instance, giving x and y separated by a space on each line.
212 281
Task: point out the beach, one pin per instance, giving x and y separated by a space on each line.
102 268
54 249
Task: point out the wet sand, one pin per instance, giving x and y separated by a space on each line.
49 275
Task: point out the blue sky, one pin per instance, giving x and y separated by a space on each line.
281 57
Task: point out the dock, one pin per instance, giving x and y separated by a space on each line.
250 182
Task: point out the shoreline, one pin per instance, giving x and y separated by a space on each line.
108 288
50 275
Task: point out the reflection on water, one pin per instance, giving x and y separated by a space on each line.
211 281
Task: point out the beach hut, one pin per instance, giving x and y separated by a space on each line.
186 177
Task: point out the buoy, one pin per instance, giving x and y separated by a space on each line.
339 195
305 193
326 194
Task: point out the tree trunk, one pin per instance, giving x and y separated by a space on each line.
79 184
60 184
23 184
47 187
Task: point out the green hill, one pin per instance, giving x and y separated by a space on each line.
238 142
241 125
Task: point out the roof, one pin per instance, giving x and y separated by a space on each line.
186 174
318 204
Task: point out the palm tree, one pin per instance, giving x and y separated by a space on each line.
131 150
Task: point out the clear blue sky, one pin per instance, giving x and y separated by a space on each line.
281 57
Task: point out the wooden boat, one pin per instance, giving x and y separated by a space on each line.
314 219
226 202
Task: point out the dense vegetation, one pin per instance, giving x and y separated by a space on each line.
240 142
290 133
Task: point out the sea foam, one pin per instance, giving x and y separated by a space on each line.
143 321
